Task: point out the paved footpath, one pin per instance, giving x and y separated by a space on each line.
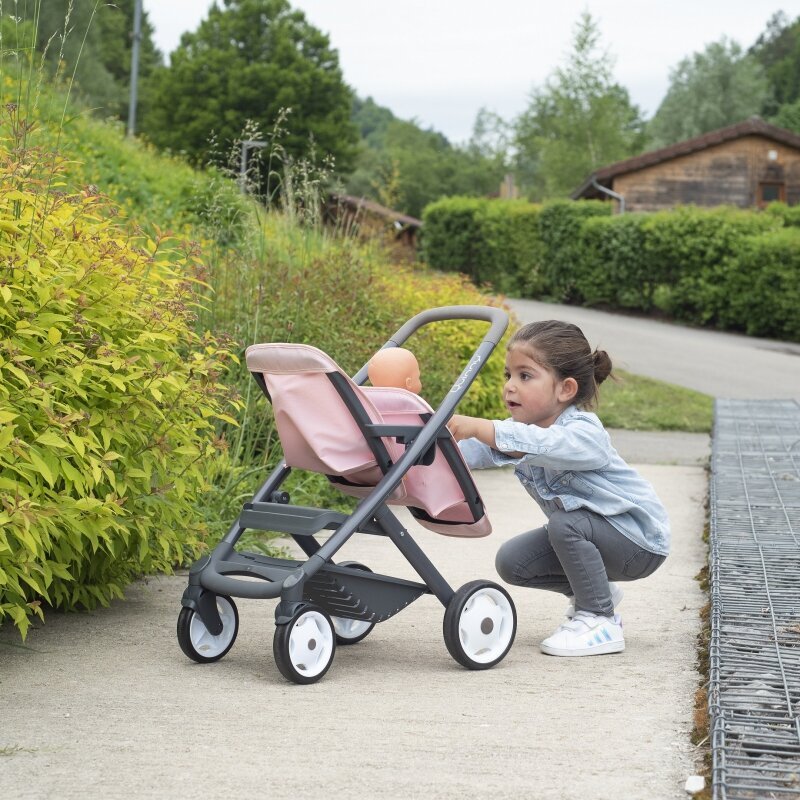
105 705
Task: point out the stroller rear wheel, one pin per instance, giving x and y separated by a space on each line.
480 623
350 631
304 646
195 639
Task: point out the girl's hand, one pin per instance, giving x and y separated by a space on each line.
462 427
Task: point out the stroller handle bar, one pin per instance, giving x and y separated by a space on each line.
496 317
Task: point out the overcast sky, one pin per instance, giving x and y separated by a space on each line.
440 61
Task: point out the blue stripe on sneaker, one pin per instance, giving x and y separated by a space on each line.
606 634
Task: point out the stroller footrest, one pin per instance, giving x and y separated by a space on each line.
356 594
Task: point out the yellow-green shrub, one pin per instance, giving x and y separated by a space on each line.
107 397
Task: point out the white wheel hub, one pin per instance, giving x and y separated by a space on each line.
349 628
205 643
310 644
486 625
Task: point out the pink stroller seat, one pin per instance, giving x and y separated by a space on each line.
320 432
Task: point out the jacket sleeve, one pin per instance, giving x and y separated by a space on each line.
480 456
578 445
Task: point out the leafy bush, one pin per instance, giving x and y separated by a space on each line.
761 286
451 236
560 224
688 250
107 398
491 241
613 268
788 215
511 246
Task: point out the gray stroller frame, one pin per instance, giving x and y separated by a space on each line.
322 603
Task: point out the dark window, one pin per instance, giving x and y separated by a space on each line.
770 193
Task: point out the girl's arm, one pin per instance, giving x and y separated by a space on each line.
581 444
472 428
464 429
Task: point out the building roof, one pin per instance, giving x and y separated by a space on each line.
755 126
358 204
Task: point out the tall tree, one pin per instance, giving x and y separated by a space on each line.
717 87
406 167
491 137
579 120
247 61
778 52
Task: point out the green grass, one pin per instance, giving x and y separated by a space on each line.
645 404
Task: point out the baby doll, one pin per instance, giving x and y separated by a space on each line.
397 367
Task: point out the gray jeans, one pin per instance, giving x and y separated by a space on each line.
576 553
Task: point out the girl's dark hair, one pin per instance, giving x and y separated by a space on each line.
562 347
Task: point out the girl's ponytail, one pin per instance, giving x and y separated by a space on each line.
602 365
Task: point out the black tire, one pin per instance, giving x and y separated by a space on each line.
339 623
195 640
292 642
480 623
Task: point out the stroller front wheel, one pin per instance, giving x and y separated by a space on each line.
304 646
480 623
195 639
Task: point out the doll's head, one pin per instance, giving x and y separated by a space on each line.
395 366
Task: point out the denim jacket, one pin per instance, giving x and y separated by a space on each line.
572 464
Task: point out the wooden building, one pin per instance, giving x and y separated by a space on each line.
370 219
748 165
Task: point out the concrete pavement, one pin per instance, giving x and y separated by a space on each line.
105 705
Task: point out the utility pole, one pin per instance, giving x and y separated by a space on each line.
137 38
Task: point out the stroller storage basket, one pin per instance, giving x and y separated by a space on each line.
385 446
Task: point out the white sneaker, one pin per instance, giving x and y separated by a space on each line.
617 593
586 635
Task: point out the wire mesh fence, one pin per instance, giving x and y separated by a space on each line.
754 658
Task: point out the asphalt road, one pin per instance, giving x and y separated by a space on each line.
719 364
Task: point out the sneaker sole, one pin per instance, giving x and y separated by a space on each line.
597 650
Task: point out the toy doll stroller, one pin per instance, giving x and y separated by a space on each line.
385 446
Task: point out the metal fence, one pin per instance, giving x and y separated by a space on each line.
754 689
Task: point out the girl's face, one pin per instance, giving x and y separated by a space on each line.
532 393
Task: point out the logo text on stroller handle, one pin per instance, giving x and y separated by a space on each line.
471 367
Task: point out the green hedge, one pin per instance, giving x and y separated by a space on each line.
688 262
688 249
491 241
789 215
611 268
559 228
762 286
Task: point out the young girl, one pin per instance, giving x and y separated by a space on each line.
604 520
